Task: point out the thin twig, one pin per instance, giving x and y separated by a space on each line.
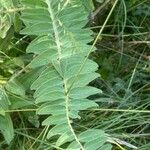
139 42
100 8
121 110
12 10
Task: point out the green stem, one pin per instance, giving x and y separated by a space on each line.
65 85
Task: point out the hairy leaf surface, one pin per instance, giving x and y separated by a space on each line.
62 90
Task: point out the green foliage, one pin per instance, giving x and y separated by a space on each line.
61 49
5 19
6 126
8 17
50 95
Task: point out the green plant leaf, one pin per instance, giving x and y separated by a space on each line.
6 18
60 48
15 87
6 125
2 111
